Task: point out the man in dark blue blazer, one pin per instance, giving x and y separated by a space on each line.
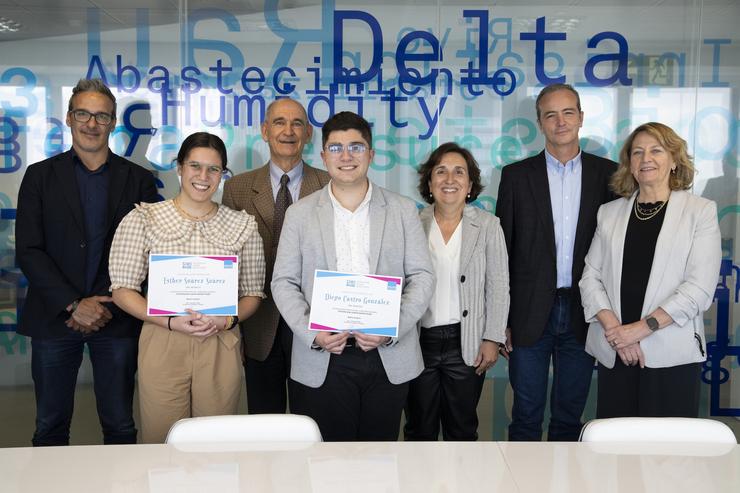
547 205
68 209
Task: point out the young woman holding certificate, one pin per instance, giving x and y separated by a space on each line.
189 365
465 324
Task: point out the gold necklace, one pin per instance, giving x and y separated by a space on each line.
648 213
191 217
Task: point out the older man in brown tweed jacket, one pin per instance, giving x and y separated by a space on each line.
265 193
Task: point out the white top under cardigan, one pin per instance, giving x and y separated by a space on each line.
444 308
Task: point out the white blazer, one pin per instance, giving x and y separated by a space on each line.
682 279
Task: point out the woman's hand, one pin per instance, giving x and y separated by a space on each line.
487 357
632 355
621 336
197 324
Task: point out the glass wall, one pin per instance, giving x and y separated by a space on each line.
422 72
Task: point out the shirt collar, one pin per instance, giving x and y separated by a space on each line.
365 201
294 174
553 163
103 167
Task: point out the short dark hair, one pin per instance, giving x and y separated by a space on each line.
425 171
202 139
553 88
346 120
92 85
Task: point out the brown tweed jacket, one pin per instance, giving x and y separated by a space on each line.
252 192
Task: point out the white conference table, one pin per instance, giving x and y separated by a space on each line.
373 468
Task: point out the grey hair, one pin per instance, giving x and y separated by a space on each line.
93 85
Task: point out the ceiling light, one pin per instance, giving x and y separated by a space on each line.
9 25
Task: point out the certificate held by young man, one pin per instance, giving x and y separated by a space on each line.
203 283
365 303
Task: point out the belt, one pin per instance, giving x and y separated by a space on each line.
351 342
562 292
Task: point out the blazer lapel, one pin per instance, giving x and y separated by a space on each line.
588 203
664 246
325 214
377 227
618 233
310 182
116 185
541 197
426 216
470 232
263 200
64 168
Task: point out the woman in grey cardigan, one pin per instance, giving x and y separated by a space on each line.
461 331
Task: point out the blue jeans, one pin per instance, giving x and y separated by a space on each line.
54 367
528 373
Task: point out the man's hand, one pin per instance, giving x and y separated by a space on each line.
91 312
507 348
368 342
80 328
333 342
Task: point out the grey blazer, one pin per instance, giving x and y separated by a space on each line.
484 279
682 279
397 248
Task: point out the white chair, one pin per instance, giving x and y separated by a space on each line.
255 428
657 430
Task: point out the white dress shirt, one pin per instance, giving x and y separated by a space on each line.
444 308
352 234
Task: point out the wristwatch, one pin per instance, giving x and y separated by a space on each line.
652 323
73 306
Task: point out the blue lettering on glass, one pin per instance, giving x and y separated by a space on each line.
9 146
25 91
291 36
340 76
716 44
539 37
619 75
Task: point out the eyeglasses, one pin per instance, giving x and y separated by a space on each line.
355 148
84 116
211 169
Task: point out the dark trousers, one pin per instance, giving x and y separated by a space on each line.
54 367
447 391
266 380
356 402
529 367
650 392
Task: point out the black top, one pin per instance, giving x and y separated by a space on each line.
639 249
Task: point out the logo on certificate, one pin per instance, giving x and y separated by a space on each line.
350 283
228 264
187 265
392 285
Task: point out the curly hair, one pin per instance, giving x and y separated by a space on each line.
624 184
425 171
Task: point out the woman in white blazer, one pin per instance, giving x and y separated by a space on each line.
462 329
650 275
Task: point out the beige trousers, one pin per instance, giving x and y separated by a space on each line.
181 376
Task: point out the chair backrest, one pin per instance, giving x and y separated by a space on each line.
657 430
245 428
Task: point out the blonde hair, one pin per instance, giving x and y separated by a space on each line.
624 184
